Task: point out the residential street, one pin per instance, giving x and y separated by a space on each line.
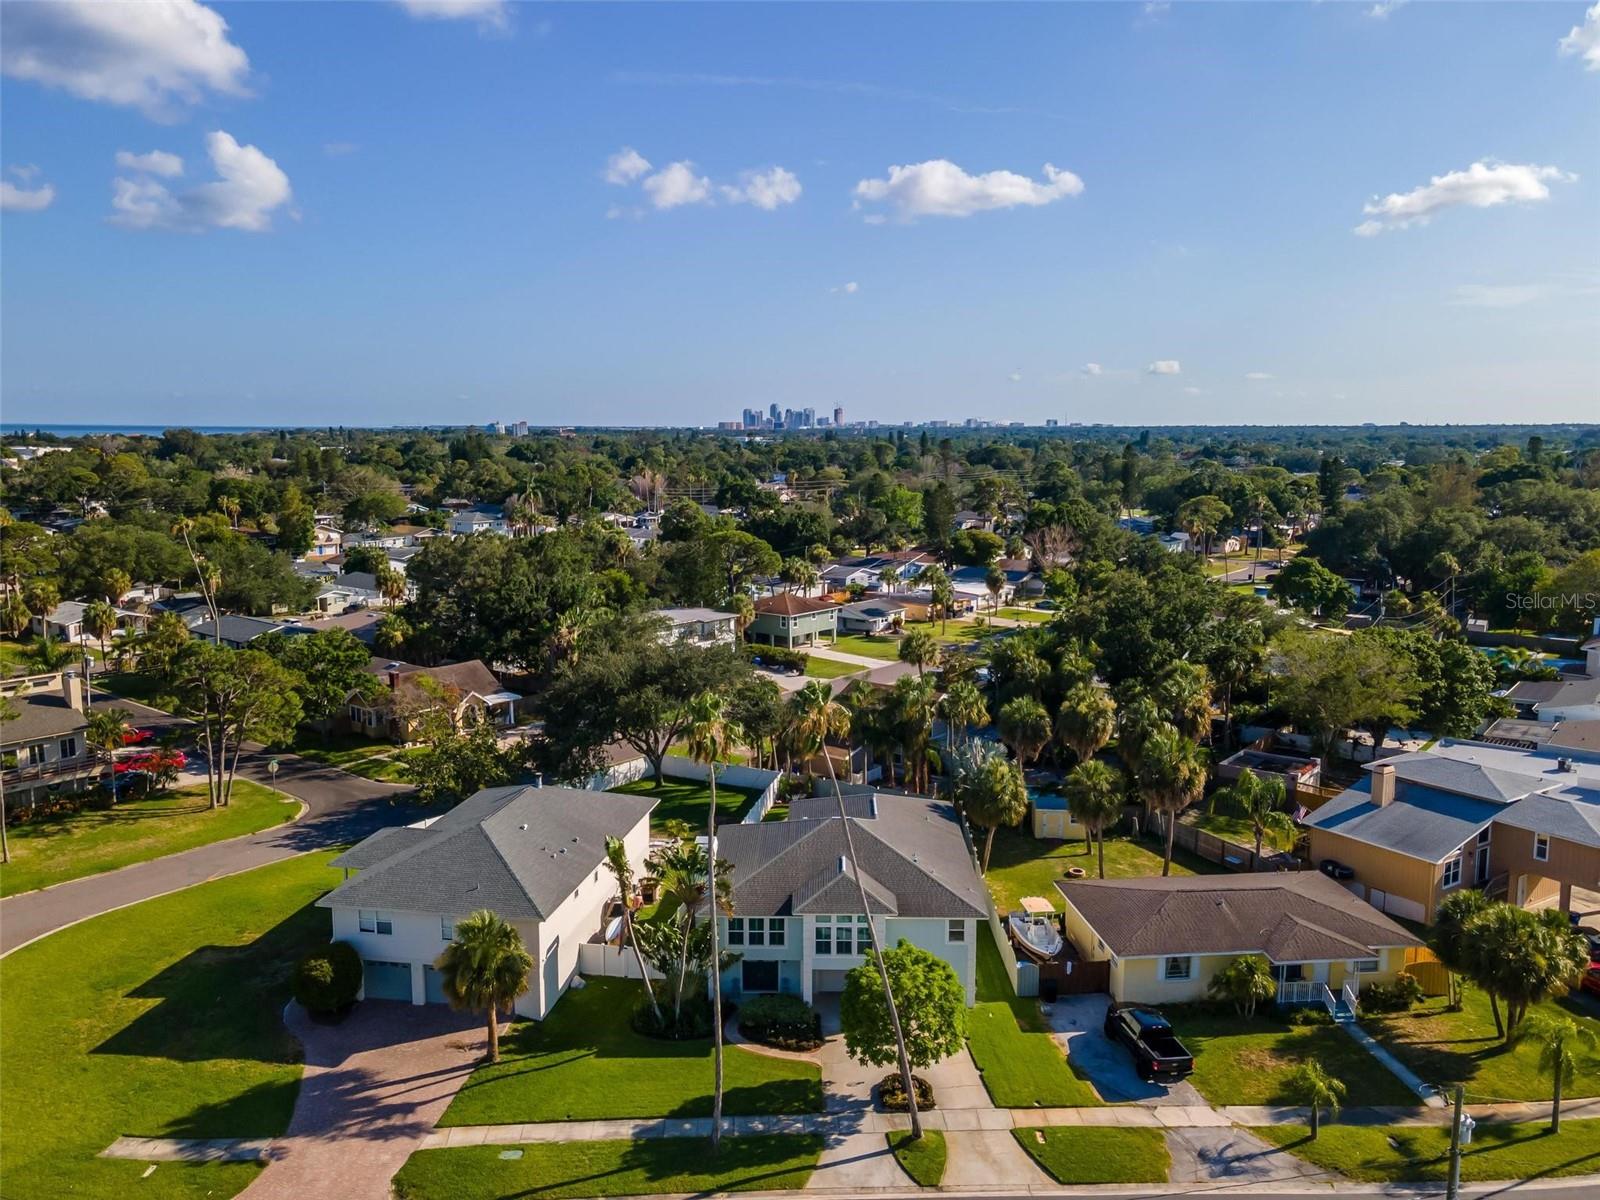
340 808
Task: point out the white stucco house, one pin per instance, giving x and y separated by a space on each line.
534 855
798 924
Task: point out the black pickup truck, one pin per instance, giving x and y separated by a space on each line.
1158 1055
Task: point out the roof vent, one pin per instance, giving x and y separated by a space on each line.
523 827
1564 764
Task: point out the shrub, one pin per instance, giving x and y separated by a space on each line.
695 1021
892 1093
328 980
1313 1014
777 656
787 1022
1391 997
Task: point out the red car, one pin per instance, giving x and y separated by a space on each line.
135 737
1591 979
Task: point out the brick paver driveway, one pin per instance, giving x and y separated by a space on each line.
373 1088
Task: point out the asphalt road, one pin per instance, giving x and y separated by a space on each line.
1581 1188
340 808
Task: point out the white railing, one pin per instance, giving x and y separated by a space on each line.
1348 994
1306 991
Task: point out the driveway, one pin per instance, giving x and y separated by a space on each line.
374 1086
1078 1023
340 808
1230 1155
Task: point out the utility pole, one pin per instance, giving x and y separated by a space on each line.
1453 1187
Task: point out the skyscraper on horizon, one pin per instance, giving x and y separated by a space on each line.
838 415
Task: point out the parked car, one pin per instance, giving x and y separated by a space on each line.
1334 869
1591 980
1158 1055
1592 936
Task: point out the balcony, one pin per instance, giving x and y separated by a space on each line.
49 772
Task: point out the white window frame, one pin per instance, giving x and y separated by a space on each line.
68 747
1183 976
35 755
823 939
371 920
735 931
1364 966
447 929
757 934
955 931
777 931
1452 872
1541 841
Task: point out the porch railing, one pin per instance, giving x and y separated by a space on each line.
1306 991
1348 994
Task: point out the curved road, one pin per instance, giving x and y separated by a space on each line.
340 808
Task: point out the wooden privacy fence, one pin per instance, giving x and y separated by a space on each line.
1423 966
1229 854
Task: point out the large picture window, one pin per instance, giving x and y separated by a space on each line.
1179 966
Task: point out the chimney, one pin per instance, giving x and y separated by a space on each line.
72 690
1383 785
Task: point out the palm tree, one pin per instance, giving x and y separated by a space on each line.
1025 727
1559 1038
1183 692
744 612
107 731
1312 1086
943 594
1260 801
680 866
908 712
798 573
622 872
1086 720
14 614
818 716
1172 774
1449 939
100 622
391 583
117 584
889 578
995 581
963 707
484 968
711 734
921 649
229 507
991 793
1094 795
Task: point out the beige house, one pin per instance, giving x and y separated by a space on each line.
468 690
1166 938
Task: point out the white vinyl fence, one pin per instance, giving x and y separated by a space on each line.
673 767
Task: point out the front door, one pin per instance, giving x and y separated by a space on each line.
1481 867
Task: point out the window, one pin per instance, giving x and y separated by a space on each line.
1364 966
69 747
842 935
1177 967
955 931
735 931
35 755
775 931
447 929
1452 872
759 975
355 715
1541 847
824 935
372 921
758 931
1483 835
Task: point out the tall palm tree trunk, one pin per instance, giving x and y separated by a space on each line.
494 1033
1169 819
877 954
638 957
1555 1105
716 961
1100 839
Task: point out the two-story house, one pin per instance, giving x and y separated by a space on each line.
467 690
790 620
43 748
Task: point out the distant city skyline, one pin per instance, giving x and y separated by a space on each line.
633 215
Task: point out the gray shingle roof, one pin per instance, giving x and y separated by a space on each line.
1462 776
912 855
1426 824
1572 816
1292 916
517 850
44 715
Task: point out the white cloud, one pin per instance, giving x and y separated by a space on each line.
248 189
1495 295
1381 10
1093 369
157 162
676 184
1584 40
25 199
849 289
765 189
491 14
1164 366
1482 185
939 188
626 165
156 55
1257 376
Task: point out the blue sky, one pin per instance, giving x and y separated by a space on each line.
389 214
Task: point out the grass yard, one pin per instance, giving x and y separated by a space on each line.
1239 1061
687 800
584 1062
72 845
1420 1153
133 685
870 645
1022 1065
1023 865
386 770
346 750
1449 1048
1031 615
163 1019
818 667
1086 1154
644 1167
922 1159
14 658
1237 829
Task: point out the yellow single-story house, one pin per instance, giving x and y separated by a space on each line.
1165 938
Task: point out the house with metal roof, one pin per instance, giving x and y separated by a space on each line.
1516 818
797 920
871 616
535 856
1165 938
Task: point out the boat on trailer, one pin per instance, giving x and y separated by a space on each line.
1035 930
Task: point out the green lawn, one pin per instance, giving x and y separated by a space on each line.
386 770
922 1159
1022 1064
1032 615
71 845
1087 1154
133 685
686 800
1449 1048
1023 865
14 658
1239 1061
1420 1153
584 1061
869 645
345 750
163 1019
818 667
1237 829
778 1162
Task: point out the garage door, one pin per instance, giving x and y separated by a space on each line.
387 980
433 986
828 981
